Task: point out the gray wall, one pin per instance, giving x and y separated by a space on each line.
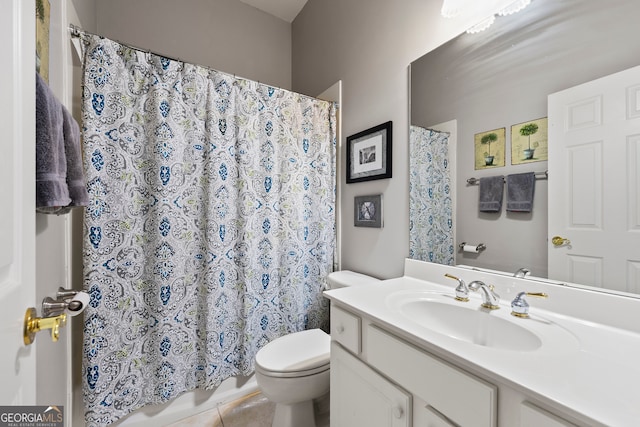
502 77
226 35
368 44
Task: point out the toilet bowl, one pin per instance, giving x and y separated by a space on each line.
293 370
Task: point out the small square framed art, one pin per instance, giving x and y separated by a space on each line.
367 211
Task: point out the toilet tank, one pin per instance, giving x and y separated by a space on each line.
344 278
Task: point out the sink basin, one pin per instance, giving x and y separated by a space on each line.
470 323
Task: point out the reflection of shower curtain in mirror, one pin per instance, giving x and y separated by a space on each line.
211 225
430 215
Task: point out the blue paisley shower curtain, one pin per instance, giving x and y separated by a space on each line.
210 229
430 210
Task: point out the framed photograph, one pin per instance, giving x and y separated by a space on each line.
369 154
367 211
529 142
490 148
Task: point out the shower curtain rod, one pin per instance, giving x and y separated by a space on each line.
77 32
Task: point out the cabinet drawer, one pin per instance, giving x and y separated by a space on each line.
532 416
345 328
460 397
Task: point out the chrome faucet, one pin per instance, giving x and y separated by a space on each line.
462 290
490 299
521 272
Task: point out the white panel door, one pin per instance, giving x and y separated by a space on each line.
594 183
17 195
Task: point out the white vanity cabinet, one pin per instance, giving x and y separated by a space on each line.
410 334
381 380
378 379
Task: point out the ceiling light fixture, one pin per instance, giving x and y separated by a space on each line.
514 7
482 25
453 8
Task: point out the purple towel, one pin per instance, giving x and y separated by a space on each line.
51 165
60 182
76 182
520 188
491 189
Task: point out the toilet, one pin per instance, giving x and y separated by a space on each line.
293 370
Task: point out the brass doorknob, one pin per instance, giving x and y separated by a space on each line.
33 324
560 241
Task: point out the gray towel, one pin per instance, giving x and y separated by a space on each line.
76 182
51 166
491 190
520 188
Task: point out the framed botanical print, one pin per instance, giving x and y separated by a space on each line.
42 38
529 142
489 148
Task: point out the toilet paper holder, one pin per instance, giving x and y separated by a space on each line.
478 248
68 302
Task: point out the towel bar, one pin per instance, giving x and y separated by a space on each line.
538 175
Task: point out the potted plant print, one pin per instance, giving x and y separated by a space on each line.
488 139
528 130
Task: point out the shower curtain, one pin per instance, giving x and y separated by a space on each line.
430 211
210 228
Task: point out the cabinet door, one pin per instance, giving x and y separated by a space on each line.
362 397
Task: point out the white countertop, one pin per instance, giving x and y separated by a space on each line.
589 369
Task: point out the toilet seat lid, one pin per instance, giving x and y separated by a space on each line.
299 351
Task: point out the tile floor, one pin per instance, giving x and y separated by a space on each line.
253 410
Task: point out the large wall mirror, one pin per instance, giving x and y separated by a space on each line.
502 77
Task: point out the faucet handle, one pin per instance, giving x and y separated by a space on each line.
462 290
520 306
